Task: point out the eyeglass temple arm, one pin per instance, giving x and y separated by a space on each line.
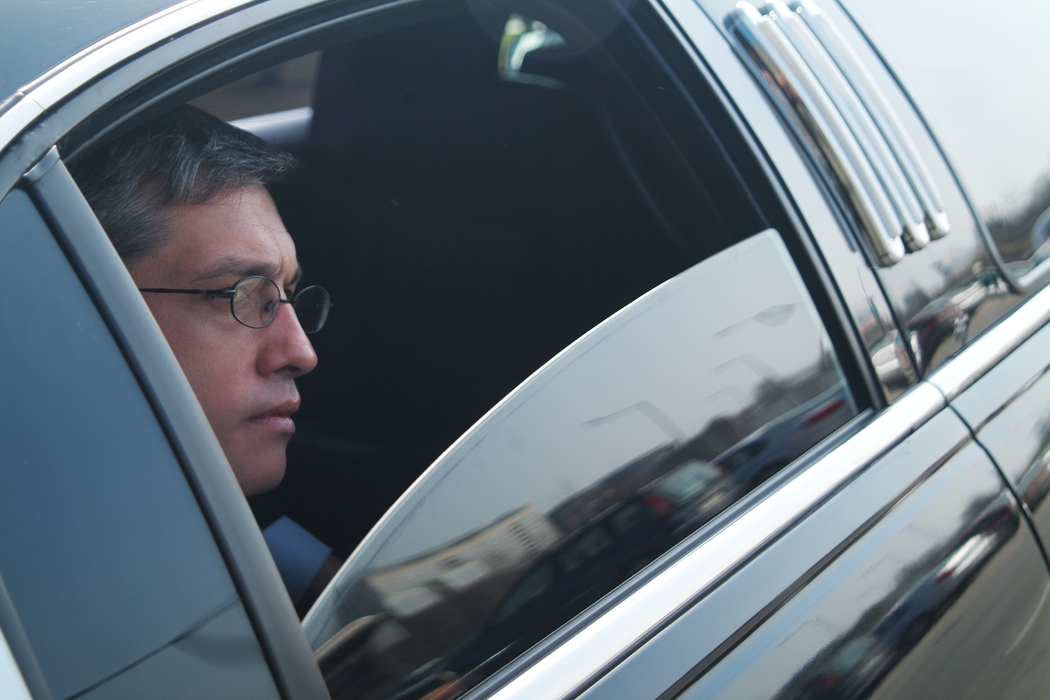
162 290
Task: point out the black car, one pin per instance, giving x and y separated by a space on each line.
679 349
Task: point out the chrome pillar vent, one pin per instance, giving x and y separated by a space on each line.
844 121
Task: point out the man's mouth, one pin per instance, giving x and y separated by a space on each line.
278 418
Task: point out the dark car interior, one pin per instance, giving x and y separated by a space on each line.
469 226
474 203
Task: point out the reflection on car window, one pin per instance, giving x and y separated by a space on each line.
475 220
629 441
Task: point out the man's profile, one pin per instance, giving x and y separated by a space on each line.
183 198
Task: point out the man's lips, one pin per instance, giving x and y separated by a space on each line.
278 418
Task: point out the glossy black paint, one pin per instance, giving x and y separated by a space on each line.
696 642
942 295
884 346
943 596
949 292
982 105
1009 409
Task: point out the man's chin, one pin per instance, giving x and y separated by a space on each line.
256 476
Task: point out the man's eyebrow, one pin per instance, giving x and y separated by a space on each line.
236 267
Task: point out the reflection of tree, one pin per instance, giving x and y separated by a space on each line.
774 397
1012 231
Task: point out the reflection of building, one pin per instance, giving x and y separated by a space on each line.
507 545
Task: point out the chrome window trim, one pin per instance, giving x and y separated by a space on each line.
985 352
571 667
17 117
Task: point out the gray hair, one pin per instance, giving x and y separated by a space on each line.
183 156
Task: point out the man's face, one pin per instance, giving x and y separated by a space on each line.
244 377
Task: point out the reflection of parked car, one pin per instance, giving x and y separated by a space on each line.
669 356
593 559
773 447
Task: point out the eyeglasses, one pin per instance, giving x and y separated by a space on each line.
254 302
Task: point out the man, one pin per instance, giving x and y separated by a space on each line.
184 200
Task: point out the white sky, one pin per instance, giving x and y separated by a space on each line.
977 70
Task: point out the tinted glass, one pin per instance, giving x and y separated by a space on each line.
976 72
103 549
626 443
285 87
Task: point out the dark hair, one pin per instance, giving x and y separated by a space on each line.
183 156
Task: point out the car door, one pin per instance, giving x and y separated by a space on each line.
130 564
911 600
691 476
223 620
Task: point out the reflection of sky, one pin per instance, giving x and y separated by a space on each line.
668 349
976 70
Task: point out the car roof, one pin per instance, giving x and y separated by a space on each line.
37 36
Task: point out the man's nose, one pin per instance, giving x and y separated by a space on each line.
287 349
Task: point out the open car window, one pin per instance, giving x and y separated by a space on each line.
479 192
473 208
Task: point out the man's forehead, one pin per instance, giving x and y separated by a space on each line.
236 234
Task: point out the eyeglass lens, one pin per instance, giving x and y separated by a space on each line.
311 306
256 300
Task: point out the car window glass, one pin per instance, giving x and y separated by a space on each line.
627 442
104 552
476 191
985 106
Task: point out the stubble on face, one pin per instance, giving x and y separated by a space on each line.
244 378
